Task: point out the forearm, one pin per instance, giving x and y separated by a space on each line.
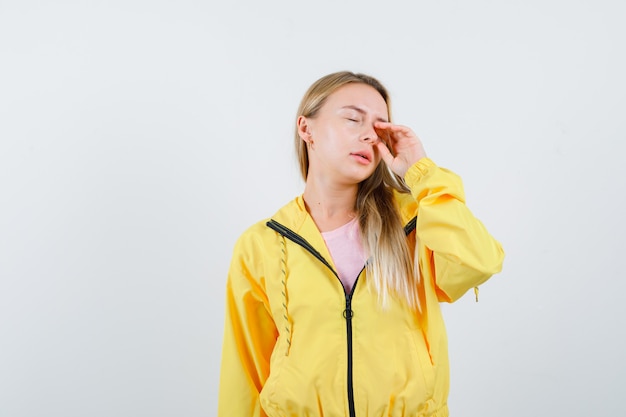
464 252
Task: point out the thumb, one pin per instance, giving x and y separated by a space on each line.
385 153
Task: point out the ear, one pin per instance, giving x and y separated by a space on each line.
304 129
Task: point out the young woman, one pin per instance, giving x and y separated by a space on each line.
332 305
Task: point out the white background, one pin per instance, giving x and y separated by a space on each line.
138 139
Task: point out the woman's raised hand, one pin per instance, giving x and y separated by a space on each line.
399 146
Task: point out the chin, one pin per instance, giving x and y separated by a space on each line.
357 176
360 178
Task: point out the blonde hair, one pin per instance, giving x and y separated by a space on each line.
390 268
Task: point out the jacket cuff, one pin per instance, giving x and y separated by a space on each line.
418 170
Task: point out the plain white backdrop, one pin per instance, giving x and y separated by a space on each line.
138 139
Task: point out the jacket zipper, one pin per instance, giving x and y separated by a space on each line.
347 313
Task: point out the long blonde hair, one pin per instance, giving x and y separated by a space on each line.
390 268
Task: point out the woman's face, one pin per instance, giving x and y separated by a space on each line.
341 138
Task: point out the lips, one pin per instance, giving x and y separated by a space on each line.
366 155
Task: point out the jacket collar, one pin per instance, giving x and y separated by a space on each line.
295 217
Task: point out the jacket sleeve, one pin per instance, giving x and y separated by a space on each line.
463 252
249 334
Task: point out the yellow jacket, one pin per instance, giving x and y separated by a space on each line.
295 344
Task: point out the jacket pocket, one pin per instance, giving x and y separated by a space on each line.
422 357
267 395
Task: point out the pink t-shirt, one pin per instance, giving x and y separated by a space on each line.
344 245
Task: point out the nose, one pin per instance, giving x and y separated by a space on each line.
369 135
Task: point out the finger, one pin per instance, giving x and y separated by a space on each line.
392 127
382 126
385 153
384 135
394 132
399 131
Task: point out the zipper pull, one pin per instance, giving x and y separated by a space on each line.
476 293
348 313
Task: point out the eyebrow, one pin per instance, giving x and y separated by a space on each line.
363 112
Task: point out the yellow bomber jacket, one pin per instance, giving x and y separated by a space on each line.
296 344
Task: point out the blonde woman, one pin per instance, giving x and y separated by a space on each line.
332 305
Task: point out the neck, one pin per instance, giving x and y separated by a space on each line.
330 206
